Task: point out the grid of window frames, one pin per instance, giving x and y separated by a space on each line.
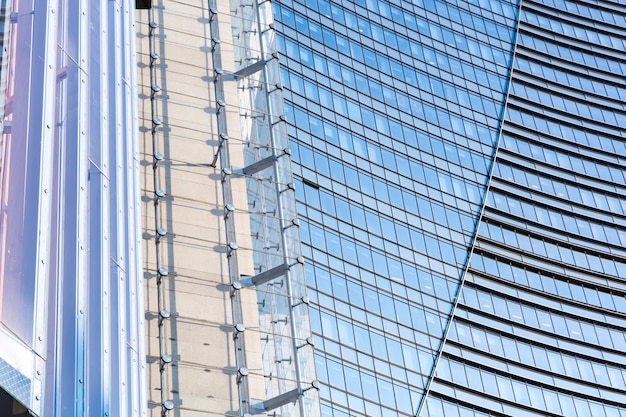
541 327
393 110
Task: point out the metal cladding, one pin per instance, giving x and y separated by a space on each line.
71 300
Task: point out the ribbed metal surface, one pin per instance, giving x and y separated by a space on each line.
71 299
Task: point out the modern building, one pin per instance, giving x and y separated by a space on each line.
313 208
538 328
460 179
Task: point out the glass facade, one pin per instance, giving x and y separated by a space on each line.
539 327
454 170
460 189
70 292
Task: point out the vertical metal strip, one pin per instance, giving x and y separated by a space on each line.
46 176
123 279
82 215
129 128
62 279
46 171
105 228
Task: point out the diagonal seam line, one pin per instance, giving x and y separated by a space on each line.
455 304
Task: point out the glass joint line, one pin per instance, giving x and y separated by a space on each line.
483 205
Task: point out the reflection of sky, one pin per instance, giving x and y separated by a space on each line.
392 128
